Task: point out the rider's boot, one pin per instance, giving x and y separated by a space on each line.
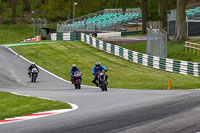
29 74
72 80
94 81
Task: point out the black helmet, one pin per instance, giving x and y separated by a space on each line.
97 64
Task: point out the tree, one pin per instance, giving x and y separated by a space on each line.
181 26
113 2
119 3
144 16
1 5
171 4
26 5
43 2
14 15
10 3
124 4
162 14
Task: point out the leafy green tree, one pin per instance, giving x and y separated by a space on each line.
26 5
14 15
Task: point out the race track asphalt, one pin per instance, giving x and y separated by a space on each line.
118 110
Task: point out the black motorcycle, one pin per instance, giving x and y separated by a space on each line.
102 81
34 74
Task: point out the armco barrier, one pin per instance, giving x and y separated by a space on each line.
170 65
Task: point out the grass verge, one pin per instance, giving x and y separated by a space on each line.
14 33
59 57
15 105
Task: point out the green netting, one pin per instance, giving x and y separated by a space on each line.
48 37
104 46
190 68
176 66
113 49
150 61
130 55
121 51
97 43
162 63
59 36
91 41
140 55
85 38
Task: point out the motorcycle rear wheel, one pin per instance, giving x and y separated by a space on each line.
79 86
76 87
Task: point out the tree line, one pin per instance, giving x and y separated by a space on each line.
163 7
57 10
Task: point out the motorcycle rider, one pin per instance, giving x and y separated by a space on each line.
95 71
73 70
33 65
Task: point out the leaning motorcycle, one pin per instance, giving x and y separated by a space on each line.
34 74
102 81
77 80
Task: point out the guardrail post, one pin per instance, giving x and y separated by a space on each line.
186 46
194 46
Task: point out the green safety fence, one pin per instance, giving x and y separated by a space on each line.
59 36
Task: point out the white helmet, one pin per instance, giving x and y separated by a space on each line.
74 66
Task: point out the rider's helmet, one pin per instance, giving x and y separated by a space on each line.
74 66
97 64
33 64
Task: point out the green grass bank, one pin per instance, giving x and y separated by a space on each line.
15 105
14 33
58 58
